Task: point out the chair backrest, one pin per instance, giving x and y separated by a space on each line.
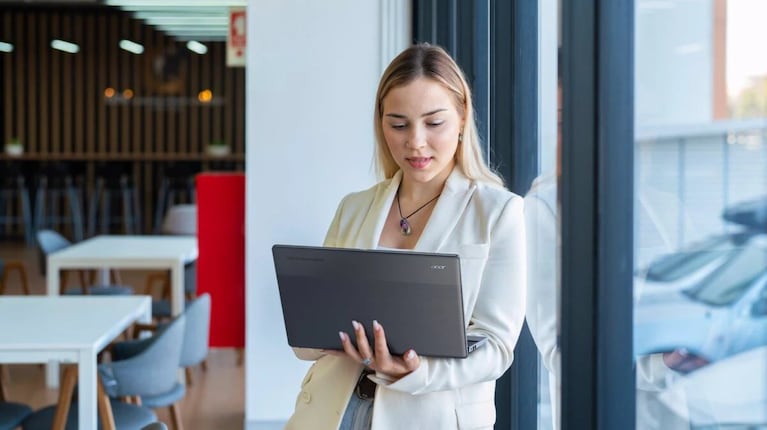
180 220
49 241
155 426
197 330
154 370
190 279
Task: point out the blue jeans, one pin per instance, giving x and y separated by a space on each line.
358 415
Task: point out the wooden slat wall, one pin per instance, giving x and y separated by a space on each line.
55 103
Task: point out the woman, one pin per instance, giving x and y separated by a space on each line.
437 196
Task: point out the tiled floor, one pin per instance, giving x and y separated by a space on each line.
215 400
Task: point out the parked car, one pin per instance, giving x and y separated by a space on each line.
721 313
672 273
730 394
751 214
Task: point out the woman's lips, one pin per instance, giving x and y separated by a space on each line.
419 162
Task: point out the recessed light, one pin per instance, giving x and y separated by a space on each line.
205 96
131 46
6 47
197 47
63 45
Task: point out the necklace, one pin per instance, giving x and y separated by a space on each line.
404 225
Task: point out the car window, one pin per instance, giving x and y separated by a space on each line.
674 266
732 280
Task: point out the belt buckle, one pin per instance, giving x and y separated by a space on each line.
365 388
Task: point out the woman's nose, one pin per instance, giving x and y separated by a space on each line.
417 138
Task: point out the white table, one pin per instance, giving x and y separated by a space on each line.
128 252
68 329
124 252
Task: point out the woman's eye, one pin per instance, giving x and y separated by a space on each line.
435 123
398 126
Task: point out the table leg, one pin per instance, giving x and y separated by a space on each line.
65 398
177 288
86 380
104 278
52 287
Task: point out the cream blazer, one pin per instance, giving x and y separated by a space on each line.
482 223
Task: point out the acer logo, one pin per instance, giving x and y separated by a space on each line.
437 267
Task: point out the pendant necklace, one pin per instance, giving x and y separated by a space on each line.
404 225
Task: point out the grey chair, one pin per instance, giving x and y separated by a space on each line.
161 307
50 241
181 220
12 414
194 351
146 367
196 335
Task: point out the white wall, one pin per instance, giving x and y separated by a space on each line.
312 72
673 62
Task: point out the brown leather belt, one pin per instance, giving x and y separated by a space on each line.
365 388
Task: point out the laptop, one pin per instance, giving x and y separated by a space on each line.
416 296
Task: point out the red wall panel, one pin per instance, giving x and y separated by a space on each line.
221 262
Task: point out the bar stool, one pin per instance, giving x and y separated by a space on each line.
176 186
114 187
58 202
15 207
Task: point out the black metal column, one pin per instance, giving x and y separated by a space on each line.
596 196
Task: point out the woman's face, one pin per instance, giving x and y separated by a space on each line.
421 126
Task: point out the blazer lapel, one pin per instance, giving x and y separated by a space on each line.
371 228
450 205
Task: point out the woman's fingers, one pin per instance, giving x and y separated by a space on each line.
379 357
412 360
393 366
363 346
349 349
383 358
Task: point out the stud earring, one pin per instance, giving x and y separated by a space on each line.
460 137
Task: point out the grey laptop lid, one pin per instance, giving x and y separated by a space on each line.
415 296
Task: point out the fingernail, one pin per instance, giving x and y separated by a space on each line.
356 325
342 335
410 355
376 326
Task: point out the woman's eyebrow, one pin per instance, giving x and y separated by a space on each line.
401 116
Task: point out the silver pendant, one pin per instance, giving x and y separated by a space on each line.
404 227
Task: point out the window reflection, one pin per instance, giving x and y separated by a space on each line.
700 333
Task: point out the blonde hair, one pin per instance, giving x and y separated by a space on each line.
432 62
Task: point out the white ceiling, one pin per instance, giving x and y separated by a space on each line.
202 20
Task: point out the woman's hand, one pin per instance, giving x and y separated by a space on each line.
377 358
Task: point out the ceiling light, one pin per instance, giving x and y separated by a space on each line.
65 46
197 47
6 47
181 3
184 20
131 46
